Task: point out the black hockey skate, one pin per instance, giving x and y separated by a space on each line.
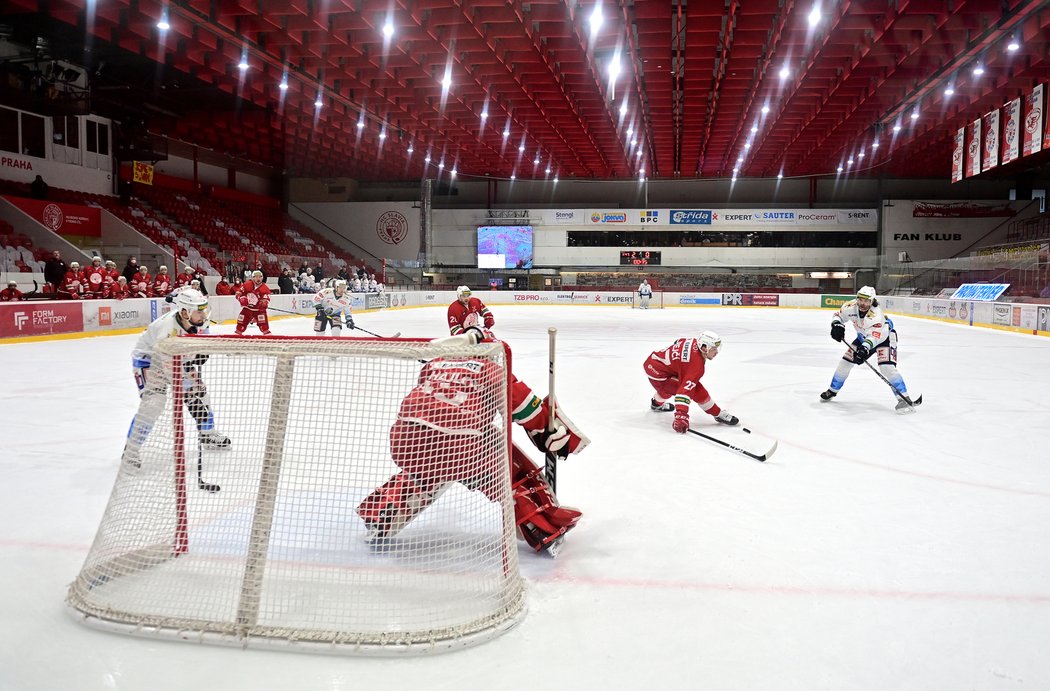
214 440
665 407
828 395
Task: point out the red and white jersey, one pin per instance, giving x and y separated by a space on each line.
458 314
73 283
682 361
10 295
873 327
141 277
162 284
184 279
254 297
140 289
116 291
451 397
94 280
111 276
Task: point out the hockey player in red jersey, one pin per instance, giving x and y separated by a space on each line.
464 306
118 289
72 287
94 279
254 296
676 371
183 279
443 434
162 282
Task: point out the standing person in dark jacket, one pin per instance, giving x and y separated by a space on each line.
285 282
131 269
55 269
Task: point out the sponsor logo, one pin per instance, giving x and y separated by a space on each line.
695 300
105 316
564 216
596 217
735 217
776 216
20 319
817 218
614 218
952 311
695 217
618 299
649 216
963 312
528 297
392 227
430 297
732 299
834 300
762 299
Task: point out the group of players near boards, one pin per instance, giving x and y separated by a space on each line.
445 411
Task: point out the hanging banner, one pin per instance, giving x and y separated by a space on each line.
973 149
1046 120
142 172
1011 130
958 154
1032 138
990 154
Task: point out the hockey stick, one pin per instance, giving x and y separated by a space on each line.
298 314
902 402
201 484
726 444
397 334
550 466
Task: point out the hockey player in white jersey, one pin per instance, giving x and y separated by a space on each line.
645 292
333 308
875 334
190 316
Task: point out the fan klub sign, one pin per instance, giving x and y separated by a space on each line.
64 219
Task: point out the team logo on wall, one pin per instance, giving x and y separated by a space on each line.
1031 123
52 216
392 227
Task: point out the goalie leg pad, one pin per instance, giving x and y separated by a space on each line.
540 518
388 509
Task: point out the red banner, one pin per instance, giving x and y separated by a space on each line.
1032 139
990 153
763 299
64 219
973 149
1011 130
40 318
1046 123
957 155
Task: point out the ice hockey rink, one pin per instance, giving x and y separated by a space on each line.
873 551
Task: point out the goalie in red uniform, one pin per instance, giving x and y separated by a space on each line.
254 296
676 371
467 311
444 435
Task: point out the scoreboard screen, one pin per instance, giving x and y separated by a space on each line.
639 258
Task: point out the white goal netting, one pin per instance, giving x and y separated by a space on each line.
264 541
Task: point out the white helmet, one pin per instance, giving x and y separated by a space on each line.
192 300
74 265
187 269
709 339
463 291
867 292
161 269
340 284
257 273
96 258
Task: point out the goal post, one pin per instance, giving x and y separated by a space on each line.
655 302
276 553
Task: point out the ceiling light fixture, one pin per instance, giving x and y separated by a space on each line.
596 18
897 127
949 91
814 15
388 28
1013 45
765 110
978 70
784 73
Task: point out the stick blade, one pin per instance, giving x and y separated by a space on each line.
764 457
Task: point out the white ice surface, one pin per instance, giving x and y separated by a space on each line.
873 551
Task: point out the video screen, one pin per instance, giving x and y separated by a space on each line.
504 247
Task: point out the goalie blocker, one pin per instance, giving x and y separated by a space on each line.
439 415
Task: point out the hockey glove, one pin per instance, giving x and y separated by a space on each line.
349 322
861 354
681 422
554 442
838 331
726 418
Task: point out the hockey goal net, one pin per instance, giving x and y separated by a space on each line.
655 302
261 543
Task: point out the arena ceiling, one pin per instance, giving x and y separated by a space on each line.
704 87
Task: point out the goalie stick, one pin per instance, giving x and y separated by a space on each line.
201 484
550 465
903 404
761 458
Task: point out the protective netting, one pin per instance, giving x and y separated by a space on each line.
282 552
